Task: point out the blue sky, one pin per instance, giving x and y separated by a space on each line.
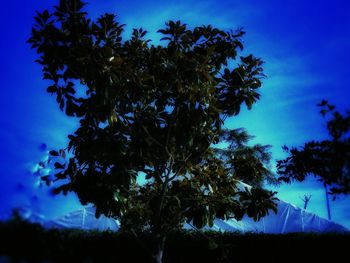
304 44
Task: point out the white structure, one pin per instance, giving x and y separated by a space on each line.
84 219
288 219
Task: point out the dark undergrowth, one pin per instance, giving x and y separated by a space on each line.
21 241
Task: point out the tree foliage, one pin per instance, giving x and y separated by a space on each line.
153 111
328 160
247 163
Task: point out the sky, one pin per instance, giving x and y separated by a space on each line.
305 46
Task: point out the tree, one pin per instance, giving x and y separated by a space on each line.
152 111
249 164
306 199
328 160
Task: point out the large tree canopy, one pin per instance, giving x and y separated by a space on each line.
328 160
153 111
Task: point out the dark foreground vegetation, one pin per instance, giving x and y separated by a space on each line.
25 242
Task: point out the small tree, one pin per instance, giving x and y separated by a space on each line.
152 111
306 199
328 160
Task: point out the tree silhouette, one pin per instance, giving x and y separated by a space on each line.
154 112
306 199
328 160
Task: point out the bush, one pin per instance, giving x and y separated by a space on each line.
26 242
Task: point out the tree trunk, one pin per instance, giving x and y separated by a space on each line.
327 200
159 249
